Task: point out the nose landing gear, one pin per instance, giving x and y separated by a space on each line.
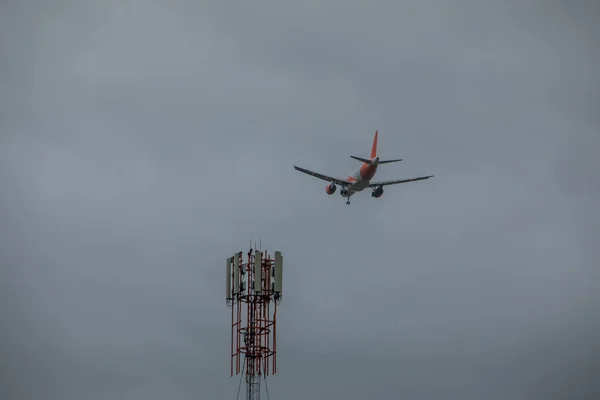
344 193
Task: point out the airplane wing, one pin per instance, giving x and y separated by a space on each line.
384 183
324 177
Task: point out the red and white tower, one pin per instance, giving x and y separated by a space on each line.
253 292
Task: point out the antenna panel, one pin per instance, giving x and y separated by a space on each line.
257 271
278 271
236 273
228 278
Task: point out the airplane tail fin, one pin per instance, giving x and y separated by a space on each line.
373 153
374 148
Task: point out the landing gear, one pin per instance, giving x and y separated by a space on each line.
344 193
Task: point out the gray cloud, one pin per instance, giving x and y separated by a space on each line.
144 143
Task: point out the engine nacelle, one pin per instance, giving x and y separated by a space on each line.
330 189
377 192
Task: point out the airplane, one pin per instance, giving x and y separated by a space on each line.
362 177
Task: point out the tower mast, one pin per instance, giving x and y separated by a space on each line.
253 291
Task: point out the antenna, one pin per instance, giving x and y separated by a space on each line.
253 314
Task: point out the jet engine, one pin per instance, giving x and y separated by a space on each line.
330 189
377 192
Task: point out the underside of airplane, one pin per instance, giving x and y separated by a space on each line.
362 177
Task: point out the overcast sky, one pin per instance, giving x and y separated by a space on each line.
144 142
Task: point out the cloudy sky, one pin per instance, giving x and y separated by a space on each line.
142 143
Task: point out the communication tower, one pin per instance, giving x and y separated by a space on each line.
253 292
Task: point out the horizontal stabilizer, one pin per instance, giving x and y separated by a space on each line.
389 161
365 160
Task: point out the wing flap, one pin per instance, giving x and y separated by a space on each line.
322 176
394 182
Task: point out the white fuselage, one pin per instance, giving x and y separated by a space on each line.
357 186
361 177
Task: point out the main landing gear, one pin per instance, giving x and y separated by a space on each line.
348 201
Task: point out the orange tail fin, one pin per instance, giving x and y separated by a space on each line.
374 149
